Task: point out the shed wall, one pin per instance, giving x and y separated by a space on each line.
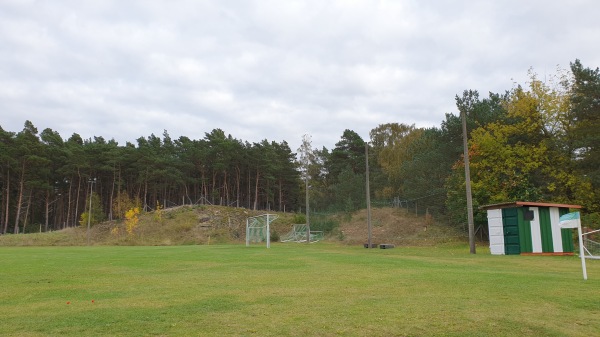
496 231
557 242
536 232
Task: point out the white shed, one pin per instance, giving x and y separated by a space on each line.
526 228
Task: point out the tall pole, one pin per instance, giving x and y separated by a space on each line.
581 250
92 182
468 185
368 193
268 232
307 216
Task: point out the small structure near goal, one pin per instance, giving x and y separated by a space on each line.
529 228
258 229
298 234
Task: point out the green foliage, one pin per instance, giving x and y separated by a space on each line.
325 224
349 192
536 142
338 178
274 236
585 100
591 220
218 169
97 213
525 155
392 147
348 154
122 203
480 113
299 218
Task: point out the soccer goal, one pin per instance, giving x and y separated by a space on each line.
258 229
591 246
298 234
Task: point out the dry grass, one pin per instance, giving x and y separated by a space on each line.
191 225
397 226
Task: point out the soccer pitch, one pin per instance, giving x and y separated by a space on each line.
293 289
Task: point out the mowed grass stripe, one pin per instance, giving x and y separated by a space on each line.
293 290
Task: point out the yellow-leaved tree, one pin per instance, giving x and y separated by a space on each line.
158 212
526 156
122 203
131 219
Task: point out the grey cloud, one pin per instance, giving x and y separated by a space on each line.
271 69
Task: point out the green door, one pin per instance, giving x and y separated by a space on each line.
566 234
546 230
510 223
525 238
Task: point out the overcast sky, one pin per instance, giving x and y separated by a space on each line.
275 69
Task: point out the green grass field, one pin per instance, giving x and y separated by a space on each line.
320 289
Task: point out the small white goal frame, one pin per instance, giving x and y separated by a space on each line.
260 225
298 234
588 251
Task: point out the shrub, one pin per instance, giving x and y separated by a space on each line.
274 236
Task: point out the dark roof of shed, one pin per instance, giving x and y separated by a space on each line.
512 204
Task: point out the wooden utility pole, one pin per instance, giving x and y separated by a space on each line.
92 182
307 210
368 193
468 184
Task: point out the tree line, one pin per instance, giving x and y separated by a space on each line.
534 142
48 183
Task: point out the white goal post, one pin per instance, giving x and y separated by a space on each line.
588 249
258 229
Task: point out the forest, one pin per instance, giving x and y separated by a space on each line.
538 141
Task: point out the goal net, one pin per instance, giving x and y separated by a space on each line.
591 244
298 234
258 229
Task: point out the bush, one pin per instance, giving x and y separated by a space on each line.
299 218
591 220
325 225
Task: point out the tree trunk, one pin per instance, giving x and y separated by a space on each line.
47 210
203 191
186 193
76 215
214 183
248 194
256 190
237 197
112 195
27 210
145 191
59 214
69 202
280 193
20 200
225 188
7 202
